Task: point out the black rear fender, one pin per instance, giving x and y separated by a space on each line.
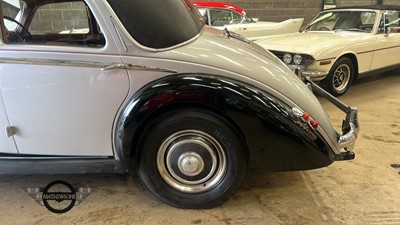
274 139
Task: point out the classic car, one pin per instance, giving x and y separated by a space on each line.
222 15
153 90
342 43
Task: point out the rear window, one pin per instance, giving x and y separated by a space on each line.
158 23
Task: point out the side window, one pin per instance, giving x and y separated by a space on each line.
392 22
220 17
65 23
67 17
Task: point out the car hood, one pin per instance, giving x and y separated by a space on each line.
215 53
311 42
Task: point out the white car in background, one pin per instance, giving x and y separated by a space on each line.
222 15
339 44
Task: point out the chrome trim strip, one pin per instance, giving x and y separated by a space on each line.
148 68
114 66
129 66
52 62
314 74
75 63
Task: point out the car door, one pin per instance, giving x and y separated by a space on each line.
7 144
387 45
55 91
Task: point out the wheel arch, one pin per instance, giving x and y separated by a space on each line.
353 58
262 120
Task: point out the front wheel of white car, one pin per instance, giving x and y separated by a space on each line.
191 159
340 77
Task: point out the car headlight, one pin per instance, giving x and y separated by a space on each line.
297 59
287 58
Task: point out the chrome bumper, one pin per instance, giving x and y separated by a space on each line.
314 75
350 126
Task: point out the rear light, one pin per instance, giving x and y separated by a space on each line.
314 124
304 117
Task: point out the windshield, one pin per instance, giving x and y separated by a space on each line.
159 23
362 21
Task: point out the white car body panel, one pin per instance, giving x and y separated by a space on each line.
235 19
58 95
386 55
260 29
7 144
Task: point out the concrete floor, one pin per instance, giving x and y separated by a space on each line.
363 191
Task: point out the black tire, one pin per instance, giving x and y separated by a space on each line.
191 159
340 77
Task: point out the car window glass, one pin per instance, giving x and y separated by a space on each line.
237 18
150 25
65 23
67 17
220 17
324 21
368 18
359 21
367 21
392 21
203 12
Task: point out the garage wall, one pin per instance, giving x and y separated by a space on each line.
278 10
391 2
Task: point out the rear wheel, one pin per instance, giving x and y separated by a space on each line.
191 159
340 77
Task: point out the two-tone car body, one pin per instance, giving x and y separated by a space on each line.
341 43
135 87
221 15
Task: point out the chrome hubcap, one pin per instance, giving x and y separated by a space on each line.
341 78
191 161
190 164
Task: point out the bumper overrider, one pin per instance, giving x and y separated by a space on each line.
350 126
313 74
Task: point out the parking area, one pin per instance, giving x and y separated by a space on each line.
363 191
